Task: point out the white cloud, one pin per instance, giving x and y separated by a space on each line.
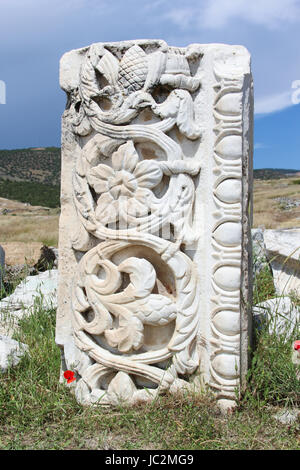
182 16
270 13
215 14
260 145
273 103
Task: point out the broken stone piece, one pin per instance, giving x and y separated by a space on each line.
40 289
11 352
283 251
280 315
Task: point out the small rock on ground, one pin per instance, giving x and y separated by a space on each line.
287 416
11 352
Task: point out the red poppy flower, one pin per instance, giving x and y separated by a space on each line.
70 376
297 345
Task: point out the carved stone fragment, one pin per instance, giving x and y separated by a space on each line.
154 282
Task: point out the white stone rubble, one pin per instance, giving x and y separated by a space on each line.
280 313
33 290
11 352
287 416
259 254
283 252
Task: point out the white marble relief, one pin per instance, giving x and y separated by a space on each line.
154 224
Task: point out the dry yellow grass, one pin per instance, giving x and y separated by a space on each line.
22 236
270 213
43 229
24 229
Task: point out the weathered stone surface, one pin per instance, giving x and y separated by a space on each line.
280 313
11 352
283 252
259 253
41 288
288 416
154 241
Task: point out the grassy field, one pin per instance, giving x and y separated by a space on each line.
275 203
25 228
38 228
37 412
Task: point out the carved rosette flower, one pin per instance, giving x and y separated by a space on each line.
124 188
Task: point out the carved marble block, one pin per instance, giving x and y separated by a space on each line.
154 264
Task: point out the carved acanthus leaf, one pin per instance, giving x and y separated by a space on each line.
142 276
179 104
128 336
156 66
108 66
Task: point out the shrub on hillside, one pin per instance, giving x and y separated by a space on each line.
36 194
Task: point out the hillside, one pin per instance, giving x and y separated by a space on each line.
40 165
274 173
31 175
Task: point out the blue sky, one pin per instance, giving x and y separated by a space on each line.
34 34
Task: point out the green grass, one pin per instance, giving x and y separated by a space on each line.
37 412
263 286
272 379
